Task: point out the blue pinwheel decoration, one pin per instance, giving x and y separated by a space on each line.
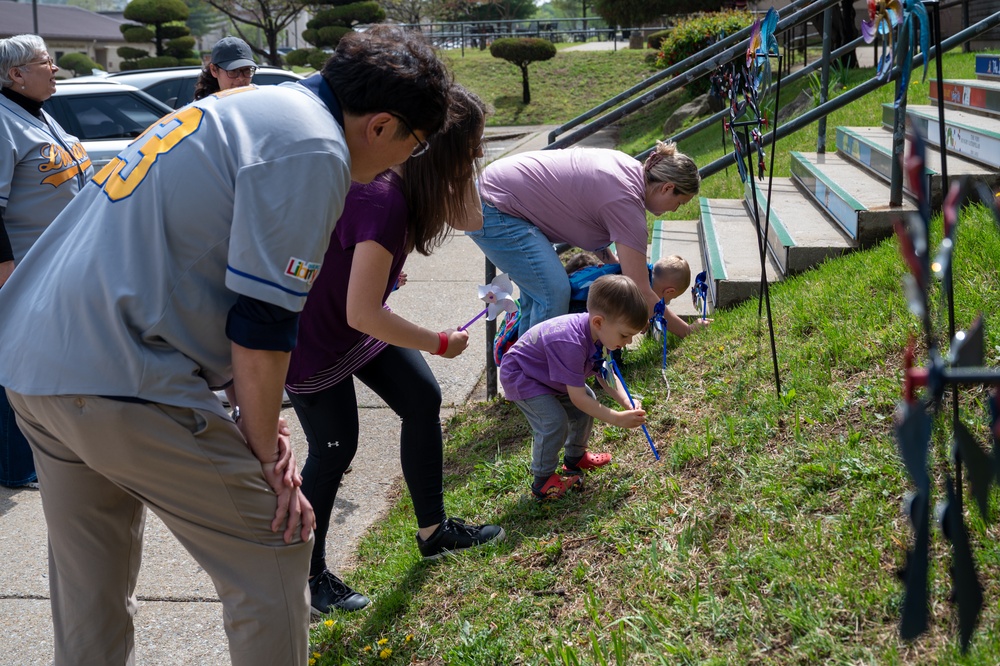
763 44
915 28
699 293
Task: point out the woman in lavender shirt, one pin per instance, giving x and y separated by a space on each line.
587 197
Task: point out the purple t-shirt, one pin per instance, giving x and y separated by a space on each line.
552 355
587 197
373 212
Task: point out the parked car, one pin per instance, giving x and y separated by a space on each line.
174 86
104 115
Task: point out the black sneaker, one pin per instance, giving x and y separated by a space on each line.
453 534
329 593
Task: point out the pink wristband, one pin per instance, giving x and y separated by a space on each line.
443 344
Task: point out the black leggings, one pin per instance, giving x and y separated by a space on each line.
402 379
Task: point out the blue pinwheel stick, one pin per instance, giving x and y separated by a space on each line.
618 373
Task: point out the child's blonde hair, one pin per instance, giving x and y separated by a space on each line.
668 165
674 270
618 298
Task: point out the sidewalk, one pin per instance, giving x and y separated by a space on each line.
179 621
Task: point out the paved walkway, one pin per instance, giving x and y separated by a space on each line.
179 621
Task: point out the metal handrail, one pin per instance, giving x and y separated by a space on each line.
690 61
858 92
791 78
708 63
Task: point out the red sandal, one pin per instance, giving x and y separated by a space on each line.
556 486
588 461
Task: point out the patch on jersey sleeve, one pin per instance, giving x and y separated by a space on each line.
303 270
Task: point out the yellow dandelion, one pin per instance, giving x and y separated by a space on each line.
383 641
316 655
329 623
385 654
368 648
721 348
312 661
409 637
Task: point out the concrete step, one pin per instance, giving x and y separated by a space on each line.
731 256
799 234
970 95
678 237
970 135
856 200
987 67
871 148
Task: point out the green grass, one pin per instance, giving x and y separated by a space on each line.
561 88
770 532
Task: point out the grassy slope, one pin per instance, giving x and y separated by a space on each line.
561 88
769 533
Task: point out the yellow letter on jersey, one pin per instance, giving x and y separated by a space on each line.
122 175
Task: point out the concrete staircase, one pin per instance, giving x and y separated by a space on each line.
836 202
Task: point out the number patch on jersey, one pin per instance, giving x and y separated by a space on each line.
122 175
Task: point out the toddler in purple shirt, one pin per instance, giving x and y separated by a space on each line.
545 374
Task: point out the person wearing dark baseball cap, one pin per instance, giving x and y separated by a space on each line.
232 66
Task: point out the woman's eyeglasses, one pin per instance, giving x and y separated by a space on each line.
47 61
422 146
240 73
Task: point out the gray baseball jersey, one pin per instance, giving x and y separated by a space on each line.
41 170
128 291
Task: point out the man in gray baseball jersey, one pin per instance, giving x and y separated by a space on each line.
180 268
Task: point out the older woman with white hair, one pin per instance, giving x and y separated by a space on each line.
41 170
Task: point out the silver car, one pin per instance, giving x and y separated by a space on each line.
104 115
174 86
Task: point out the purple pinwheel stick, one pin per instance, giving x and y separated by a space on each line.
498 298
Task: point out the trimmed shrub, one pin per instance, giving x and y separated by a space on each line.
318 58
174 31
156 62
137 34
131 53
189 62
522 51
655 40
180 47
78 63
696 34
298 57
331 35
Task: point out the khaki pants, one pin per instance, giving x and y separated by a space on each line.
99 461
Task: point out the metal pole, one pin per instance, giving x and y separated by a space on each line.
899 131
824 90
34 15
491 331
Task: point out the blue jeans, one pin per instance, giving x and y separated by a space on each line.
17 466
520 249
556 423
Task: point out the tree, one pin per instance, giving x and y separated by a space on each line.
78 63
573 8
633 13
269 16
485 10
407 11
203 18
159 14
337 17
161 24
522 51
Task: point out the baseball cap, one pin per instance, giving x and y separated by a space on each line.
232 53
